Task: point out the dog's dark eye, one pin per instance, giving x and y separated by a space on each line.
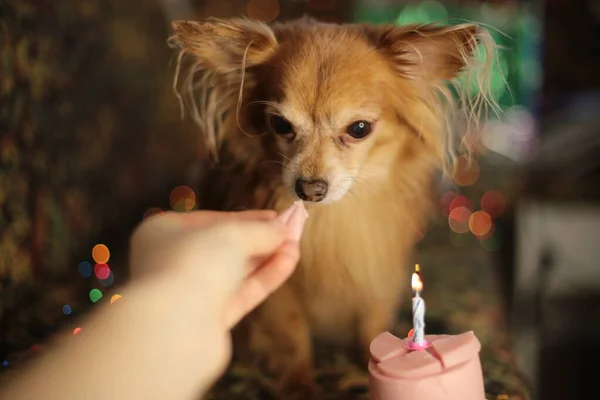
359 129
280 125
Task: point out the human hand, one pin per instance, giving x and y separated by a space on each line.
233 259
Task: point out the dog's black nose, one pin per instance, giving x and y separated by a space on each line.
311 190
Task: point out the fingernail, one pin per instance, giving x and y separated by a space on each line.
300 204
285 215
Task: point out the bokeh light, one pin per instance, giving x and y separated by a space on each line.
499 73
85 269
480 223
514 137
182 198
489 233
115 297
434 10
458 220
321 5
95 295
5 363
102 271
460 201
109 280
152 211
76 330
495 14
100 254
420 234
67 309
493 203
263 10
466 171
413 14
423 12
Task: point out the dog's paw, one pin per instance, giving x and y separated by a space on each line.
299 387
354 381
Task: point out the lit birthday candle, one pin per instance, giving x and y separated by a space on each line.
418 308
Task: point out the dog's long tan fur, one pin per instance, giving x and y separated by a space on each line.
321 78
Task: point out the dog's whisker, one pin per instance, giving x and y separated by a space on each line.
274 162
352 193
263 102
284 156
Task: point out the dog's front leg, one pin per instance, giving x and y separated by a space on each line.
280 338
379 316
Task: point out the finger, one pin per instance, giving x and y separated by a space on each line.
231 248
197 218
286 215
169 220
254 239
296 221
264 281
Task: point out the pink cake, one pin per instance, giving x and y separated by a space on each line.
448 370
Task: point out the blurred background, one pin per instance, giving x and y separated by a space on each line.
91 142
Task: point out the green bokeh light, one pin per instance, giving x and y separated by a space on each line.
516 77
493 243
95 295
422 13
499 72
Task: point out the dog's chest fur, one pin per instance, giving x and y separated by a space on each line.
354 254
354 251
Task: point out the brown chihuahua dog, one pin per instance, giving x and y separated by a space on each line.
352 119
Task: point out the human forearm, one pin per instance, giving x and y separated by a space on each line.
133 334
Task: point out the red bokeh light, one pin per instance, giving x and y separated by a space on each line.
102 271
460 201
493 203
458 220
182 198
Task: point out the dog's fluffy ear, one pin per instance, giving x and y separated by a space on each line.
225 45
428 52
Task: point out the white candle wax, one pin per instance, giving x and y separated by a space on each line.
418 306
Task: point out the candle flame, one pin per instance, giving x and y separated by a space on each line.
416 282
